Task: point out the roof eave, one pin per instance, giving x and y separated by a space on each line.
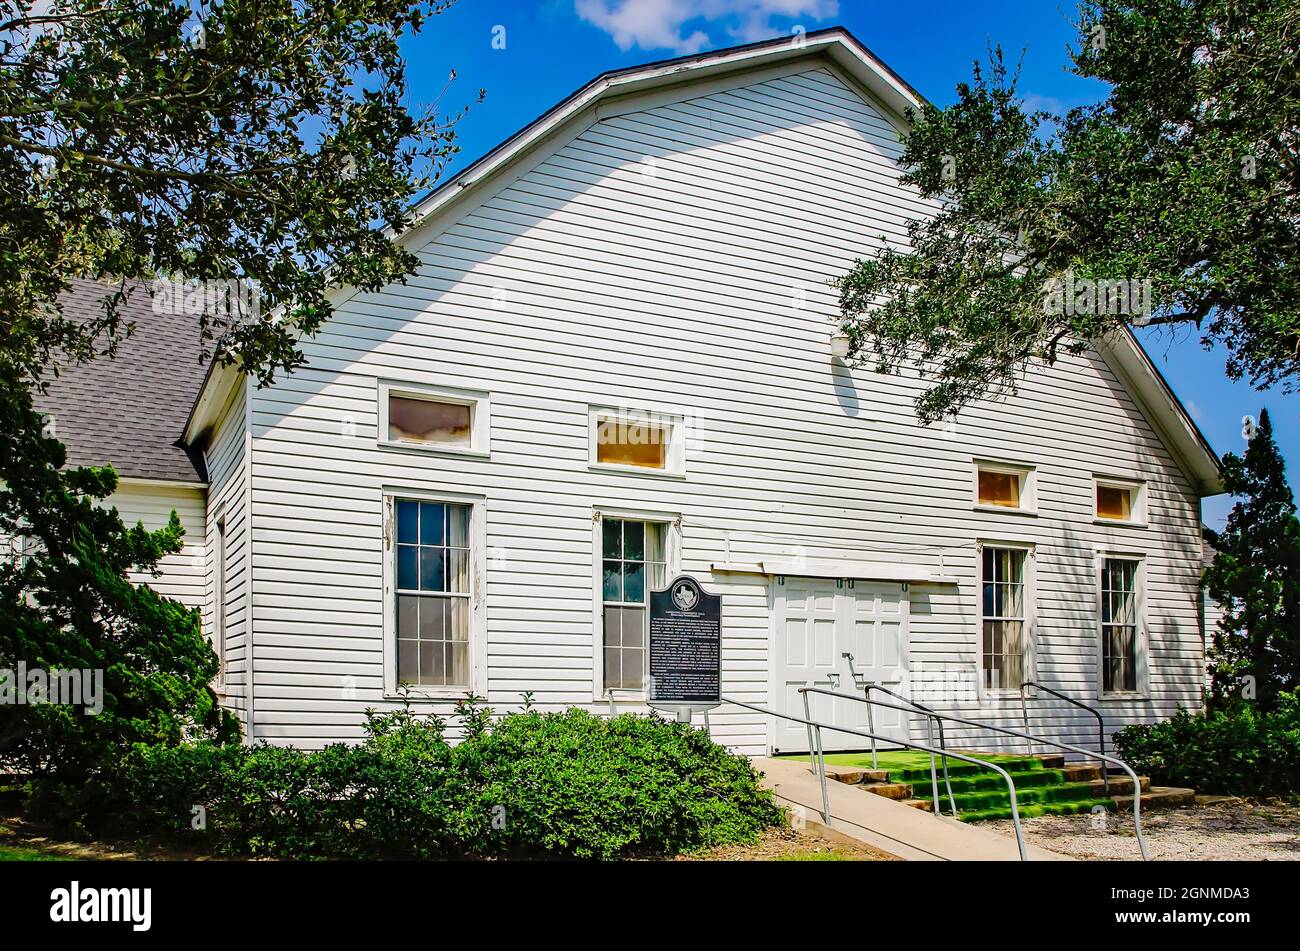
1166 412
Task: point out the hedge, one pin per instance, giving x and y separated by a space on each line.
528 784
1241 751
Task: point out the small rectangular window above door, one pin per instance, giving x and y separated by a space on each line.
435 419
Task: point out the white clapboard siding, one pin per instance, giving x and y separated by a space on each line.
678 257
226 455
180 575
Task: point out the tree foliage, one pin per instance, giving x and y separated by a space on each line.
267 142
1255 577
259 140
1183 176
66 604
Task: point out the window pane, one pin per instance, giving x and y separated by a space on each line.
458 663
1114 502
408 615
634 627
634 541
999 488
433 619
408 518
629 442
432 522
458 570
656 549
408 576
633 581
611 538
613 670
458 525
432 569
458 620
633 662
408 665
428 421
612 620
613 586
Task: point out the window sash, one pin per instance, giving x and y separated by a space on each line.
642 546
431 592
1115 502
1003 627
1120 629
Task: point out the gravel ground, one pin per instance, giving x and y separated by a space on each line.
1225 829
786 845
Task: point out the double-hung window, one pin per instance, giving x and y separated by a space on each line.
633 562
1120 625
432 591
1004 619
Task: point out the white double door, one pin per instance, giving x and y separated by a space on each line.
818 620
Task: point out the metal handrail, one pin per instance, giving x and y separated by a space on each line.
1137 786
1101 723
931 721
821 756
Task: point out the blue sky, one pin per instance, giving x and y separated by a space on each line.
543 51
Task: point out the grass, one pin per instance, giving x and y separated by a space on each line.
831 855
914 759
980 793
23 853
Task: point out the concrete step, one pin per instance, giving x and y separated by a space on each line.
1159 797
890 790
852 775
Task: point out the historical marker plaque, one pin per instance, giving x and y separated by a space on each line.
685 646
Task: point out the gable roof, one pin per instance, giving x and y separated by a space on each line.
835 45
129 410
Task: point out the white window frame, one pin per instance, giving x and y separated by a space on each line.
1028 476
672 568
1141 653
1030 620
1137 498
674 457
477 588
480 417
220 592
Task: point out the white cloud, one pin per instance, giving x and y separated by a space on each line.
684 26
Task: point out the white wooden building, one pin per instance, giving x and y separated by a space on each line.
462 489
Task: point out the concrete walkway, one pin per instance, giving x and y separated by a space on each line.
890 826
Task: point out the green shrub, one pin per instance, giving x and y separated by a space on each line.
1238 751
565 784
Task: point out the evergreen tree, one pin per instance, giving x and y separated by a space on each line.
1255 577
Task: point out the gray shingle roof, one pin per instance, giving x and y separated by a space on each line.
130 411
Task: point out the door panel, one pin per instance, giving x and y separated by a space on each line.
816 623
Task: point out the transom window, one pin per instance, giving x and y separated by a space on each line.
1119 502
999 488
429 422
1119 625
633 562
637 440
1004 486
433 593
1003 617
438 419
